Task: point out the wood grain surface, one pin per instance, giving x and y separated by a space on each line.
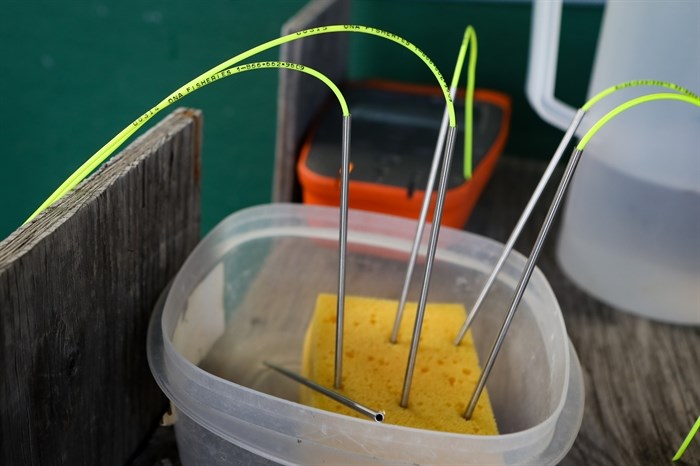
77 286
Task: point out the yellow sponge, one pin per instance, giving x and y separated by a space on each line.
373 368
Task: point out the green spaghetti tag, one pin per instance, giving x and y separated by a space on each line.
469 41
215 73
691 99
686 442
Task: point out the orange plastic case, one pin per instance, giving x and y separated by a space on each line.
322 189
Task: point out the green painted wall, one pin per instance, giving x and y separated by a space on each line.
73 74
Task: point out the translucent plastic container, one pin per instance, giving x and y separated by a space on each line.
630 232
246 295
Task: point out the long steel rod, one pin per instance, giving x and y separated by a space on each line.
378 416
432 246
437 156
524 279
343 240
515 234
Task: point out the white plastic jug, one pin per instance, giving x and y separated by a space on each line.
631 225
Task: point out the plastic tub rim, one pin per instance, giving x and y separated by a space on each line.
257 213
183 404
286 208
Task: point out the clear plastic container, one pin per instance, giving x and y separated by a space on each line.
630 233
246 295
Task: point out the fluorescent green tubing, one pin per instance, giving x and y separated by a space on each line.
118 140
691 99
469 104
688 438
230 72
209 76
636 83
469 36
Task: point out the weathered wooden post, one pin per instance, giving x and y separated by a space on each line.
77 287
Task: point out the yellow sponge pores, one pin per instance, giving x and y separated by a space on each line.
373 369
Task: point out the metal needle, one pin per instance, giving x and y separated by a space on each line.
521 223
421 219
378 416
524 279
432 246
343 240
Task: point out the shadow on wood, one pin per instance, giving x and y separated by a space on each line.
77 286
